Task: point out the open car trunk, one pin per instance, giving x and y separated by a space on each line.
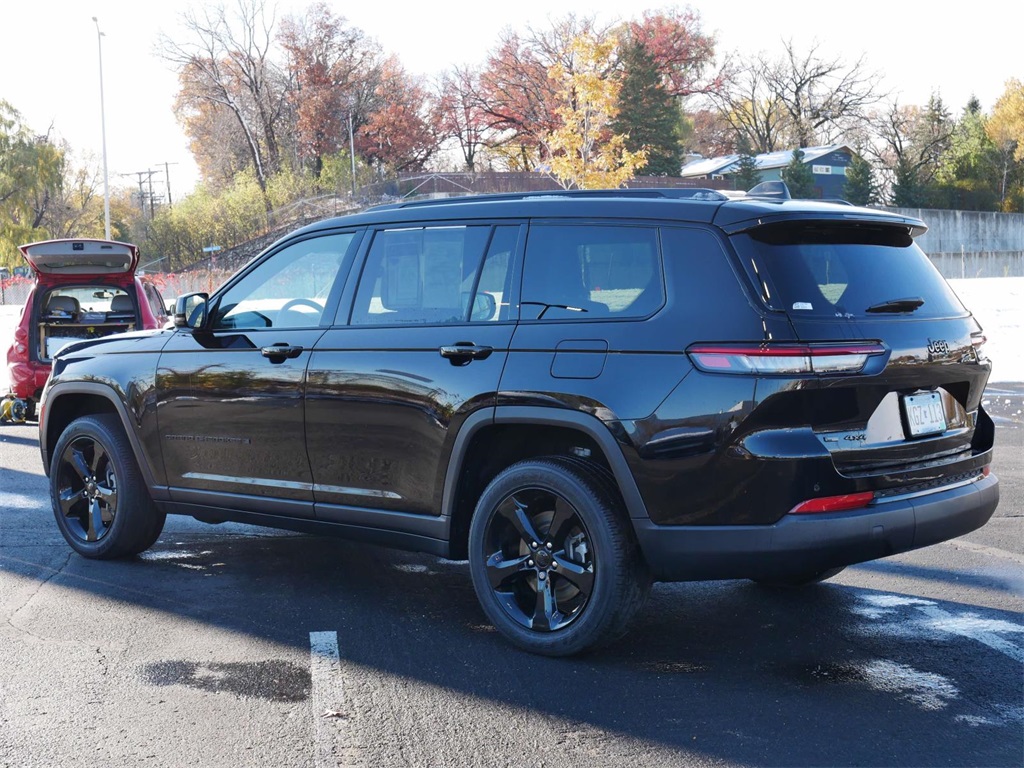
81 257
85 290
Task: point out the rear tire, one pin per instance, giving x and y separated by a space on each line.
100 501
553 558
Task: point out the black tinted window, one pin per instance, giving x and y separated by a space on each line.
816 270
583 272
424 276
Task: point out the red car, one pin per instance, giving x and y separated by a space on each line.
84 289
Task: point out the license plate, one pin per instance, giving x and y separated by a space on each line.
925 414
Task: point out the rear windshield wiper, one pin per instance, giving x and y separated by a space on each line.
897 305
551 306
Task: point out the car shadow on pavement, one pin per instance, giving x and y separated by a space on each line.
710 671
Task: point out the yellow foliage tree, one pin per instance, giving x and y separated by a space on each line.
1006 130
1006 125
583 151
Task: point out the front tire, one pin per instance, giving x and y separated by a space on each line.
101 504
553 558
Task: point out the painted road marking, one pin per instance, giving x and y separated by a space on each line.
969 624
327 697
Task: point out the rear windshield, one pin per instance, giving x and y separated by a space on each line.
844 270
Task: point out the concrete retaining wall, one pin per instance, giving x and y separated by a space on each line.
972 243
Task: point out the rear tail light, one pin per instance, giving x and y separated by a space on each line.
833 503
783 359
18 351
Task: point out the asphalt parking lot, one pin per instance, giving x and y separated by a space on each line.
229 645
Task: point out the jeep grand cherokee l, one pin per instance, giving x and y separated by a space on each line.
580 393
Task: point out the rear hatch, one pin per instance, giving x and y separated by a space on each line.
914 408
81 257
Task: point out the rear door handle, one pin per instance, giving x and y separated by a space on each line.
463 352
278 353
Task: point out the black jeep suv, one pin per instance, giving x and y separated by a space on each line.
581 393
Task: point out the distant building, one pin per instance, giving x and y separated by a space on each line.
828 164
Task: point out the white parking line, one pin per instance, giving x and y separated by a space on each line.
327 697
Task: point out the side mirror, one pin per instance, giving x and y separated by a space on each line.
190 310
484 306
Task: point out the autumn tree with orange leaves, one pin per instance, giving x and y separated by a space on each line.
331 65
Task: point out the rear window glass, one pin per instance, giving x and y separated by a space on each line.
86 303
844 271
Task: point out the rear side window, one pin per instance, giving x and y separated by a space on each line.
581 272
436 275
844 271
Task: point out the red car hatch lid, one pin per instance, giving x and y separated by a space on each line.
81 257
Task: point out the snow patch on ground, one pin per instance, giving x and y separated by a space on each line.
926 689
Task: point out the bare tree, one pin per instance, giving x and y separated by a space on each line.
822 97
908 142
459 114
797 100
227 63
753 109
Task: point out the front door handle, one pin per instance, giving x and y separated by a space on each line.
463 352
278 353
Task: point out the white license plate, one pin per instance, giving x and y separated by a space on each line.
925 414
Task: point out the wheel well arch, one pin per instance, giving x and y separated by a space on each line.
69 401
486 447
61 411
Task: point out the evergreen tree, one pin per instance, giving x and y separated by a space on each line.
908 191
747 174
861 187
648 115
798 176
968 176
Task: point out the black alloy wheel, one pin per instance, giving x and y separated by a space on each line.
87 489
553 558
100 502
541 565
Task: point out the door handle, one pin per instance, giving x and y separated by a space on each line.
463 352
278 353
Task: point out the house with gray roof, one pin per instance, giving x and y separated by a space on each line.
828 164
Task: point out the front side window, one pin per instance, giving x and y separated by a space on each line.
435 275
287 290
580 272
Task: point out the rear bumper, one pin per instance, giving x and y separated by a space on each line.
28 379
805 544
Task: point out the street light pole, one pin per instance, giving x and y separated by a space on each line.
352 151
103 128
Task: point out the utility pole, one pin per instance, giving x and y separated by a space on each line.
144 176
167 182
103 129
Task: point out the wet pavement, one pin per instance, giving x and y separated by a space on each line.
230 645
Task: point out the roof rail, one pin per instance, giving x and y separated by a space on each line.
671 193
